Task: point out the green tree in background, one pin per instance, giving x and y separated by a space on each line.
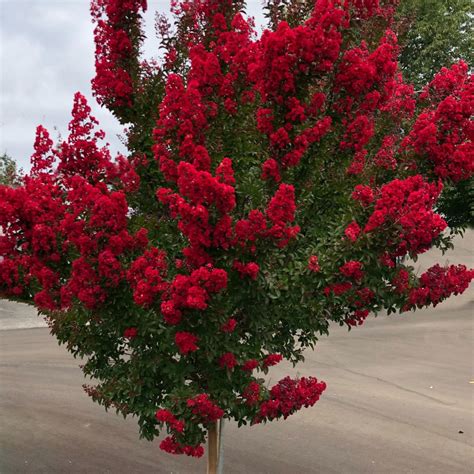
10 175
433 34
456 204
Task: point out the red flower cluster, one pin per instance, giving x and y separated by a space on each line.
358 133
191 292
182 119
250 269
250 365
338 289
368 8
270 169
65 229
146 276
313 264
363 194
358 317
278 64
172 446
288 53
361 71
352 269
272 359
290 395
408 203
247 231
401 281
165 416
443 132
206 410
228 361
186 342
438 283
114 50
130 333
229 326
358 163
251 393
352 231
202 191
385 157
281 211
387 260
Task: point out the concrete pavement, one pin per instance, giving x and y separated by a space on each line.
399 400
19 316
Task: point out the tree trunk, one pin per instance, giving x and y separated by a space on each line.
212 449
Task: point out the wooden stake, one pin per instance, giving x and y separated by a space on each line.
212 449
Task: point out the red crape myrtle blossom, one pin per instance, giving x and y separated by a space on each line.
352 269
228 360
438 283
290 395
352 231
443 132
229 326
313 263
165 416
363 194
272 359
186 342
65 231
251 393
204 408
247 269
408 204
115 23
146 276
250 365
172 446
273 186
130 333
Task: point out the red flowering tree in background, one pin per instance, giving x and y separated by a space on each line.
273 186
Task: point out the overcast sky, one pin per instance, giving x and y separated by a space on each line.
46 55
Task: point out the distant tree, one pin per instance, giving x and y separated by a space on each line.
10 175
433 34
456 204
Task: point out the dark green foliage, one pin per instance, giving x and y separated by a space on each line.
456 204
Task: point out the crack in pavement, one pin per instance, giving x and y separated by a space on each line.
393 384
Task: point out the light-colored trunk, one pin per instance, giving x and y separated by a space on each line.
220 464
212 449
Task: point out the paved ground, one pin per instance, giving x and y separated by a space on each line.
399 400
18 316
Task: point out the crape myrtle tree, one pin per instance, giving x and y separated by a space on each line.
273 186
